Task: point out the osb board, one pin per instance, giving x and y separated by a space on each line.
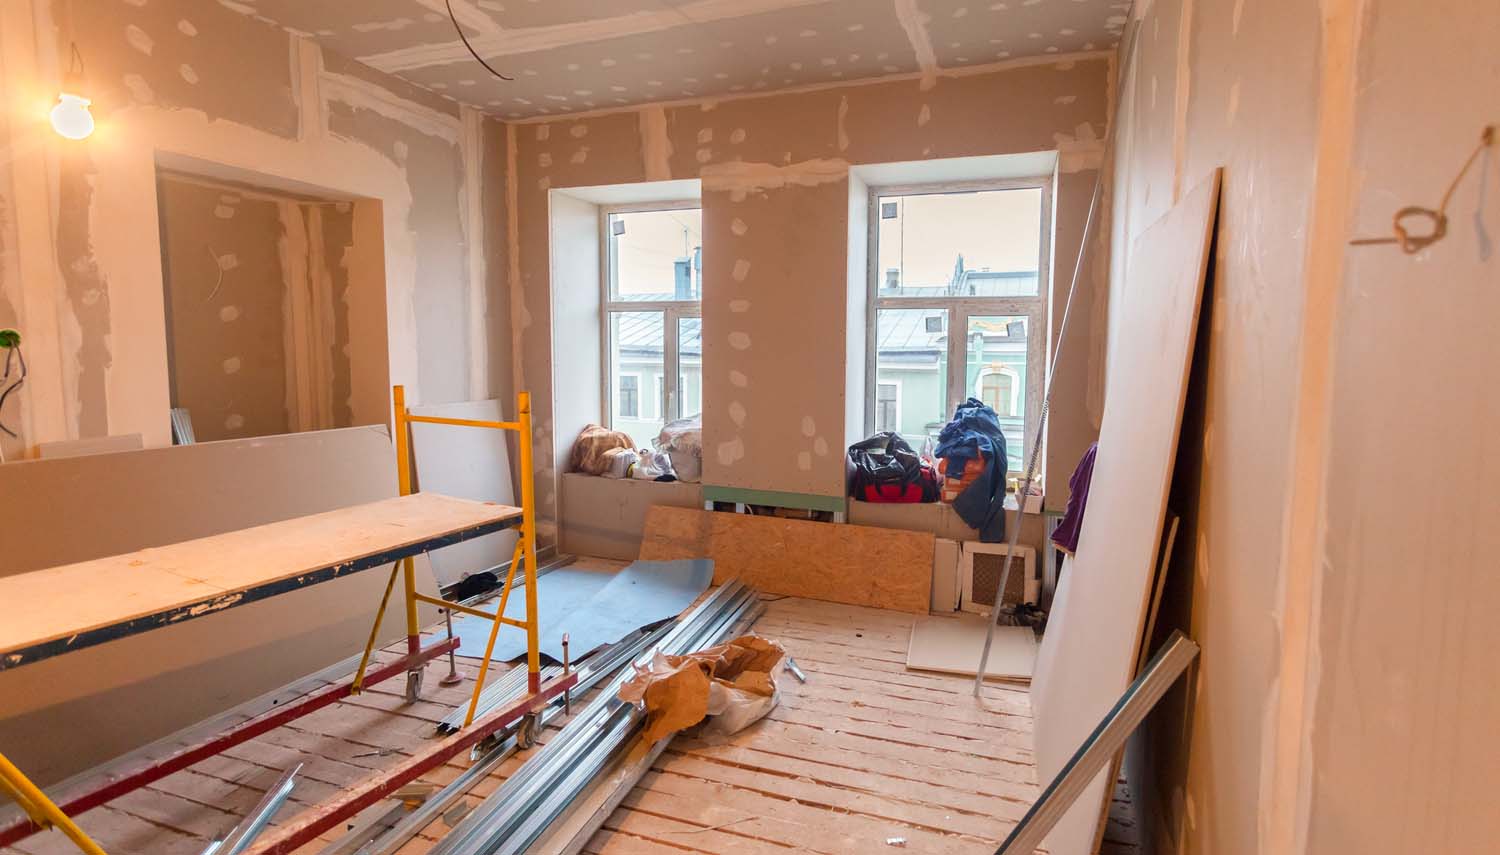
1088 656
59 602
857 565
951 645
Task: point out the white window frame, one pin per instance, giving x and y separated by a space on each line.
669 403
1002 371
960 309
875 405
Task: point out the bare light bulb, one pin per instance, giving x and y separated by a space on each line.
71 117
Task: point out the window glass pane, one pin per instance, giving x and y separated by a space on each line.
911 372
974 244
995 357
636 360
656 255
690 366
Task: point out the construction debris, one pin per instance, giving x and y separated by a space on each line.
732 683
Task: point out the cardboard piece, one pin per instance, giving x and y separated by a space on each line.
951 645
857 565
467 463
734 680
1089 654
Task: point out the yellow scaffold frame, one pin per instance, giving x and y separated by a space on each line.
525 549
41 809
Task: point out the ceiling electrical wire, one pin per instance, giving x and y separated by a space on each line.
472 52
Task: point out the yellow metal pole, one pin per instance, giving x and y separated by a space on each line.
489 647
33 799
364 661
403 481
528 535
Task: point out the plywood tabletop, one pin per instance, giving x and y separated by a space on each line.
46 612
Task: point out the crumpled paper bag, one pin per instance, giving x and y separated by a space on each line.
732 682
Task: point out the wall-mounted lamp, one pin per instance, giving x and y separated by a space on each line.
71 117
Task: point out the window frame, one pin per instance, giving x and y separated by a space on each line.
669 403
960 309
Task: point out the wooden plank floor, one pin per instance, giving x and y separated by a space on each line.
862 752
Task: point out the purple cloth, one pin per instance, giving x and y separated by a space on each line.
1066 535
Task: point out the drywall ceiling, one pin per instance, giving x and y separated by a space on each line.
574 55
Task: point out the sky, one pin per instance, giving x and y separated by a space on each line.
996 229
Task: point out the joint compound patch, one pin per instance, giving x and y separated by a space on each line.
543 132
739 306
235 421
704 155
223 212
188 73
820 447
580 155
705 135
809 427
737 136
741 270
738 379
140 90
544 160
739 340
137 38
731 452
924 116
229 314
804 461
738 226
579 131
737 413
229 261
231 365
186 28
740 176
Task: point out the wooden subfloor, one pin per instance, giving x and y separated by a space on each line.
862 753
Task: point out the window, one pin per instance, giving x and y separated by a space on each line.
630 396
958 290
653 284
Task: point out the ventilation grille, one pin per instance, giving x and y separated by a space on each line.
988 567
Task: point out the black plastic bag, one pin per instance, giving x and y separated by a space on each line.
884 468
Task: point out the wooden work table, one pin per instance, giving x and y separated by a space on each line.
48 612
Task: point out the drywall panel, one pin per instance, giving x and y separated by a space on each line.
1402 726
1088 656
117 696
840 563
773 328
576 361
469 463
605 517
1203 95
1033 107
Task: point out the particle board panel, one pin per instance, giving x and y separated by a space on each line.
951 645
1088 656
187 580
858 565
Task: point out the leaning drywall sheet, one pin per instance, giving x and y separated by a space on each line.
883 568
951 645
1088 656
469 463
117 696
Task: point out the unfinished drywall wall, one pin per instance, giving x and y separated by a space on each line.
206 89
775 172
257 295
1202 94
1401 741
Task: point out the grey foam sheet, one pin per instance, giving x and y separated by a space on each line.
593 607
